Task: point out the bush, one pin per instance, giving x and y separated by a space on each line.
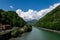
15 32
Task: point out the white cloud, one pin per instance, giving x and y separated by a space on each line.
32 14
11 6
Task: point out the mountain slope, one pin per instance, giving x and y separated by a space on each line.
11 18
17 24
50 20
32 22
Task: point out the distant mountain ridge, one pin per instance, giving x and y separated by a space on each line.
32 22
50 20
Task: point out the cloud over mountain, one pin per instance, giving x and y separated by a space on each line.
33 14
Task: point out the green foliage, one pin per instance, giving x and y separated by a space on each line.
15 32
12 18
27 27
51 20
16 22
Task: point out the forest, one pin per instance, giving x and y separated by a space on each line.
18 25
51 20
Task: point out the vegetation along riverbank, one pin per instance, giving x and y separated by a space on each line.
11 22
50 21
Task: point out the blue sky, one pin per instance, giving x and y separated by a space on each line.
26 4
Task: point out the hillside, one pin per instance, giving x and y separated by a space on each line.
16 24
12 18
50 20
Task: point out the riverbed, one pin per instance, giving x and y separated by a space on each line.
39 34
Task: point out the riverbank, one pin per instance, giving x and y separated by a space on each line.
50 30
37 34
14 32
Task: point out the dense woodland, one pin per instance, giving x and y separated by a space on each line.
50 20
18 25
12 18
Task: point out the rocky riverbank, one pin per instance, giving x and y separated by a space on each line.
15 32
50 30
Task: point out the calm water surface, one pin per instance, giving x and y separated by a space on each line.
39 34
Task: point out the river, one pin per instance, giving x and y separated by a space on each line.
39 34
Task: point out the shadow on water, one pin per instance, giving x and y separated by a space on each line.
6 36
39 34
35 34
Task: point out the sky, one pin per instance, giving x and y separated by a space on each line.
26 4
29 9
34 14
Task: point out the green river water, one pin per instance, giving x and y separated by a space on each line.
39 34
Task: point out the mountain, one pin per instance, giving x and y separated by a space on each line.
50 20
16 24
32 22
11 18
